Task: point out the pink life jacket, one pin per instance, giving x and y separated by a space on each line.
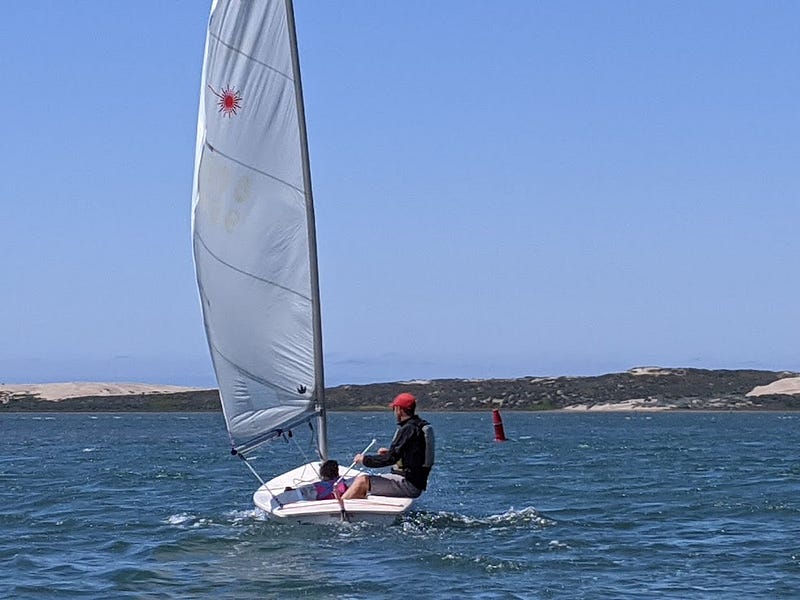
325 489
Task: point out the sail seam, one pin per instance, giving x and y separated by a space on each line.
250 57
252 443
199 238
252 168
244 371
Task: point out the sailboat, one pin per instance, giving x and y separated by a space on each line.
255 254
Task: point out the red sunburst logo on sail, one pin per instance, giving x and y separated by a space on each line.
230 100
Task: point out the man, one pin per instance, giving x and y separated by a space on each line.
411 453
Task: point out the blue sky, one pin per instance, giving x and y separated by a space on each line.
502 188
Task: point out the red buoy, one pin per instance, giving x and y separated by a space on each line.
499 433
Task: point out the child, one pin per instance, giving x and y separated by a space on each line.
329 473
321 490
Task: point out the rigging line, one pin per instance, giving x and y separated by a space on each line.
249 56
264 485
199 238
252 470
252 168
305 456
272 434
315 438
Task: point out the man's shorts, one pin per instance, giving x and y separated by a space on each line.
392 485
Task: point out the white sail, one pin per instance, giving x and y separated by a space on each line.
253 226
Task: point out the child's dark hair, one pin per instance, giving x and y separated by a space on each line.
329 470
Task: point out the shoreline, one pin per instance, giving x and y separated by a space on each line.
422 412
639 390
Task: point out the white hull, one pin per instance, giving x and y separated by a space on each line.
286 506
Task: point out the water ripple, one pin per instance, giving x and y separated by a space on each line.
152 506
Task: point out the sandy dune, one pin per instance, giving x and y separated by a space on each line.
60 391
788 385
625 405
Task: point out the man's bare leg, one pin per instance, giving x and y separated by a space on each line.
359 489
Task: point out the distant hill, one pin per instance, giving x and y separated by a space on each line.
106 397
643 388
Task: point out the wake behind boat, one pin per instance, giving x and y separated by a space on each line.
255 253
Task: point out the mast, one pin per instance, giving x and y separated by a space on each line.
319 373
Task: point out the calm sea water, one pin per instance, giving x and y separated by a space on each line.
574 506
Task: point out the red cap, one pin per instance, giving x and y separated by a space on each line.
405 401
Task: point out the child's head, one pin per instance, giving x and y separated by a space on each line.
329 470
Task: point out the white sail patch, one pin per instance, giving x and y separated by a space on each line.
251 222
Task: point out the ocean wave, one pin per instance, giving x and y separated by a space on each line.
232 517
179 519
236 517
491 564
523 518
